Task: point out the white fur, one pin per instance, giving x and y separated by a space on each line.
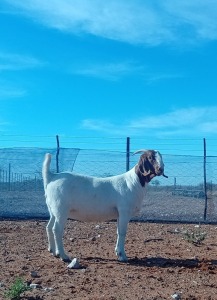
86 198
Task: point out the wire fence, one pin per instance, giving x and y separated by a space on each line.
188 195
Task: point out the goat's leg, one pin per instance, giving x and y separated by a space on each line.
58 229
122 224
50 236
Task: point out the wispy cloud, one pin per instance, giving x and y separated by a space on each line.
10 90
6 92
110 71
133 21
4 126
182 122
10 62
151 78
14 62
198 16
103 126
117 71
177 118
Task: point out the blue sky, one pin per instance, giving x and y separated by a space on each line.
108 68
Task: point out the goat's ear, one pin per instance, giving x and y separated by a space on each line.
144 166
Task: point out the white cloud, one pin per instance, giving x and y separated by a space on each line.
210 126
4 126
177 118
133 21
200 16
178 123
151 78
101 126
6 93
13 62
109 71
116 71
9 90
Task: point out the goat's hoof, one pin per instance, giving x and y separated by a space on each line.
63 258
122 259
66 260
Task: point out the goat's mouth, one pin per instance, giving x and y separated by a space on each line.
160 172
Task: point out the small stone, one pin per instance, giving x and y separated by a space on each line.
97 226
48 289
34 274
176 296
35 286
74 264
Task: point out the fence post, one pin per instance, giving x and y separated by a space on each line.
9 177
57 154
128 154
204 176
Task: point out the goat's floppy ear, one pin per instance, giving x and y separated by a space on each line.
144 166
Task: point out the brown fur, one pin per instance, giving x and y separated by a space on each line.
145 169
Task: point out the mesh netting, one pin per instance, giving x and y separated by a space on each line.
181 197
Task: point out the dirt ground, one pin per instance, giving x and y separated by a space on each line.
161 262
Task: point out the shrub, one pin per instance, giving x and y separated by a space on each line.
16 289
195 237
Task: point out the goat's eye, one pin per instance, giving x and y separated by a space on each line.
151 157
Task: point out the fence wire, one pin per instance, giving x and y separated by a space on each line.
181 197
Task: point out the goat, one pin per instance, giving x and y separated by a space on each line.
87 198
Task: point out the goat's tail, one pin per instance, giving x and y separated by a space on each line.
46 174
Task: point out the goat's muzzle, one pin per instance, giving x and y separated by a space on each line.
160 172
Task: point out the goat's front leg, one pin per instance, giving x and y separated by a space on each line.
122 224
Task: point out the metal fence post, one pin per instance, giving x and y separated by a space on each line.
9 177
128 154
204 176
57 154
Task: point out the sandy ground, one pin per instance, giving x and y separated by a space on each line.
161 262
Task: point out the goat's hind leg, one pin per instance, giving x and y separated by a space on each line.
50 236
58 230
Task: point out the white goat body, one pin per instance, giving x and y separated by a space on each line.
86 198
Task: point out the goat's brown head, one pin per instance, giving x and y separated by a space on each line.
150 165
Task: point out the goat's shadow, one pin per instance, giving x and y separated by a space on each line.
31 298
159 262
